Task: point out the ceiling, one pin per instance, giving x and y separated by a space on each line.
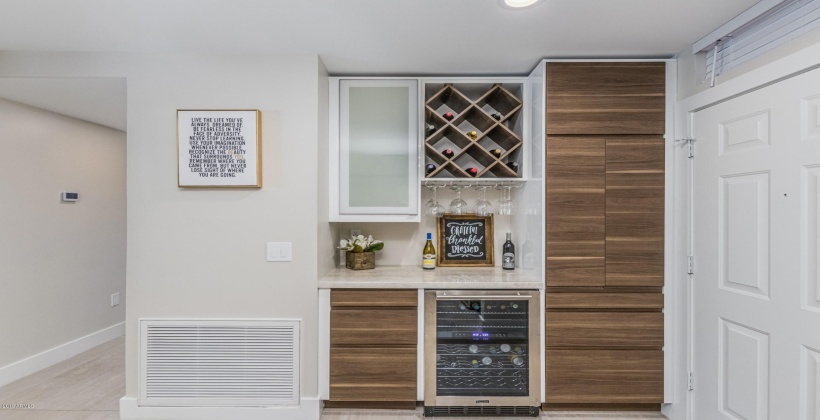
370 37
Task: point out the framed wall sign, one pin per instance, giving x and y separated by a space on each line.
465 241
219 148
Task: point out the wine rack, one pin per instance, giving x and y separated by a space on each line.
480 123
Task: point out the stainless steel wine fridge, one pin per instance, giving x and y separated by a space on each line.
481 353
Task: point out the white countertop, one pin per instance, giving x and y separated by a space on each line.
413 277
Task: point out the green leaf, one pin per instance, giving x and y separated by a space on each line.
357 248
375 247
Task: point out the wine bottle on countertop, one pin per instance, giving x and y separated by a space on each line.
448 115
428 261
430 168
448 153
496 153
508 258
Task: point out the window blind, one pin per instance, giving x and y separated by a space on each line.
787 21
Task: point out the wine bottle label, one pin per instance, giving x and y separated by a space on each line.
428 261
508 260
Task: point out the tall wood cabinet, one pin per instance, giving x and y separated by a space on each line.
605 234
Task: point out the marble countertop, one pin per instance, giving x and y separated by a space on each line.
413 277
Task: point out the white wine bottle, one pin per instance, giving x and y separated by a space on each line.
428 259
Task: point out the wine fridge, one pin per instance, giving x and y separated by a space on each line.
482 353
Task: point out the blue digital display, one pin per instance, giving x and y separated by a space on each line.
481 336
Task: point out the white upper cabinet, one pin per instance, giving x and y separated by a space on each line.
374 164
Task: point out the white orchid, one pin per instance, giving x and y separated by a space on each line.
361 244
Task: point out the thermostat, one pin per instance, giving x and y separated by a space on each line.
70 196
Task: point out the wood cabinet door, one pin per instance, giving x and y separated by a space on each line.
606 98
635 211
372 374
604 329
576 211
604 376
373 327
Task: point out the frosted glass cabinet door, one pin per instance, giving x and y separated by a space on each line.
378 147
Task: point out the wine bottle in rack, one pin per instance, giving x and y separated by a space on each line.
449 115
429 168
472 171
472 135
513 166
496 153
429 129
496 116
428 261
448 153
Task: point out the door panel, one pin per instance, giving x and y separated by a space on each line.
755 286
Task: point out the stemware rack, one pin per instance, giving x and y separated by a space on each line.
472 120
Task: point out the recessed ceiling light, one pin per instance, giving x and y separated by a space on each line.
520 3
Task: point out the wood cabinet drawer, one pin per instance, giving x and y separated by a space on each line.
604 329
604 300
372 374
604 376
373 298
373 327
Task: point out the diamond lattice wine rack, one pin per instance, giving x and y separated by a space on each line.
473 130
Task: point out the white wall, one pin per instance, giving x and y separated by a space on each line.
200 253
59 262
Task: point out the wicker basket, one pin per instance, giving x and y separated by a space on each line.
361 260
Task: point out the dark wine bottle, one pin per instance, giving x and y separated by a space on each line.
448 115
472 171
513 166
429 129
508 258
496 116
448 153
429 168
496 153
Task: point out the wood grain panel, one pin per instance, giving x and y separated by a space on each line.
574 248
393 327
606 79
634 262
605 98
635 226
373 297
635 154
604 329
635 200
372 374
576 271
612 122
604 376
604 300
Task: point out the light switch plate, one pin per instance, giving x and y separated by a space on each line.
115 299
280 251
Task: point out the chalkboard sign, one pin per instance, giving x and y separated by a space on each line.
465 241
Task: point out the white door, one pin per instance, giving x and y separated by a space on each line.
757 283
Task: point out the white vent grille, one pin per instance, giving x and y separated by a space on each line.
219 362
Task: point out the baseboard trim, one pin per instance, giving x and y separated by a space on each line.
308 409
22 368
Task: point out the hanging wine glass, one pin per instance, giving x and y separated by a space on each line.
433 207
482 206
506 205
458 206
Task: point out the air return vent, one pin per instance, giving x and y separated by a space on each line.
219 362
